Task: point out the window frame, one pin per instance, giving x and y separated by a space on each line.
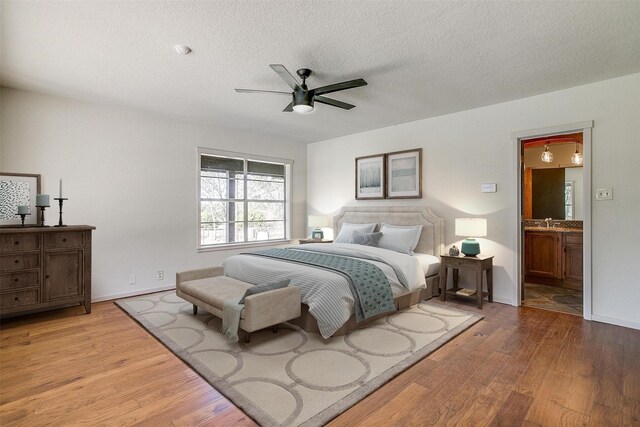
288 165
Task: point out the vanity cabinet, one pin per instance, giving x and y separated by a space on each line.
554 257
44 268
573 256
543 254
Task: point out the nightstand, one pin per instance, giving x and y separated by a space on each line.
303 241
479 264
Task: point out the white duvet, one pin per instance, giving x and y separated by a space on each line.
328 294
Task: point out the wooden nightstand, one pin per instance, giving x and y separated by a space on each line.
303 241
479 264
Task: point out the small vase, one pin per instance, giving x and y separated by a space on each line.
454 251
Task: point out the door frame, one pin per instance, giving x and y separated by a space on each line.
516 138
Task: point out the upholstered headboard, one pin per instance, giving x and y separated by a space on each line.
431 239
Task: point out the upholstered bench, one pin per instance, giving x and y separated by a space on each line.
209 288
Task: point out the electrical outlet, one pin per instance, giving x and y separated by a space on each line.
604 194
132 279
160 275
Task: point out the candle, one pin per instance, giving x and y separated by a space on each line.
60 196
23 210
42 200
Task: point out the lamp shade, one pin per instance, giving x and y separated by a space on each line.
471 227
319 221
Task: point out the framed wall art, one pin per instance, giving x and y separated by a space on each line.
404 174
18 189
370 175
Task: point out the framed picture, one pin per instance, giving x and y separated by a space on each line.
18 189
317 235
370 177
404 174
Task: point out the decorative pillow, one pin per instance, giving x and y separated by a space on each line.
368 239
403 239
264 288
346 232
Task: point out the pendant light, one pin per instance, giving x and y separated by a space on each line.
576 158
547 156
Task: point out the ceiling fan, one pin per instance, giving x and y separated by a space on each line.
303 97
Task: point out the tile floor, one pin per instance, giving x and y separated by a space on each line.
553 298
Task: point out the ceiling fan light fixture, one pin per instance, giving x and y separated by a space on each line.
302 108
302 101
547 156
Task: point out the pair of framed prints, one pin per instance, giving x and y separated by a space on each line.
396 175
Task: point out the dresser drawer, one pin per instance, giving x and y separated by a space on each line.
26 279
73 239
19 261
19 242
456 263
18 298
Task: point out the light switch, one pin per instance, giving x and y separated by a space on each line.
604 194
489 188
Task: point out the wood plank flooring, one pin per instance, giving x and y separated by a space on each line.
517 367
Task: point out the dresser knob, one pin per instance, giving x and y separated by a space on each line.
16 299
46 277
16 280
17 261
16 243
64 239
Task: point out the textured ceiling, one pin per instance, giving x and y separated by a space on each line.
421 59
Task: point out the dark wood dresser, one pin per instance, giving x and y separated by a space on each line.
44 268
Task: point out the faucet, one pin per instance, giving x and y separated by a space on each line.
547 221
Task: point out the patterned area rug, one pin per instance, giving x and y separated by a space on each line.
296 378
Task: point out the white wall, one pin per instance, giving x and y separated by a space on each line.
465 149
130 174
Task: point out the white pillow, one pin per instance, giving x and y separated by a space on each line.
346 232
399 238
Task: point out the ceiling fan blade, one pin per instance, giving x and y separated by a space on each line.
339 86
288 108
262 91
333 102
286 76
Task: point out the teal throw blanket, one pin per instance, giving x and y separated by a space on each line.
368 283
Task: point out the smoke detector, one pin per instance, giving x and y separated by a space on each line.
182 49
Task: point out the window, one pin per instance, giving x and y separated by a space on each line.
568 200
242 199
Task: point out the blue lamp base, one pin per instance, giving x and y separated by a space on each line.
470 247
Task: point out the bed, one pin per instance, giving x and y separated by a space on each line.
328 302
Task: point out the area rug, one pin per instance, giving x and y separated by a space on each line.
292 377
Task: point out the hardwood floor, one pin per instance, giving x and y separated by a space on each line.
516 367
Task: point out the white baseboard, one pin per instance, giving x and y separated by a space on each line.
134 293
614 321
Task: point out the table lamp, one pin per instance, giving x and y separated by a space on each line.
470 228
318 221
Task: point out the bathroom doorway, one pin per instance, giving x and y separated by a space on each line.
554 212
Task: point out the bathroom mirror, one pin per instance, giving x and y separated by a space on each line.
553 189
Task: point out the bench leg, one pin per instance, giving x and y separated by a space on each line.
195 310
275 329
247 337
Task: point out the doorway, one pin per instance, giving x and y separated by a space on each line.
554 218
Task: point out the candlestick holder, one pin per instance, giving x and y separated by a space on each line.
22 216
60 201
42 208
